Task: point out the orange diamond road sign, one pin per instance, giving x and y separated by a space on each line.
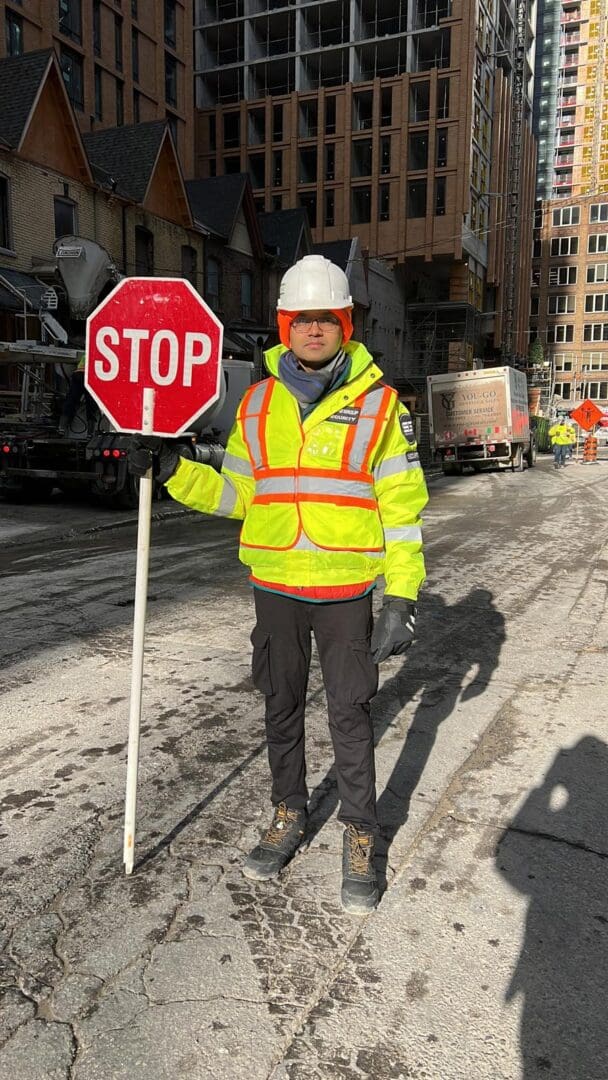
587 414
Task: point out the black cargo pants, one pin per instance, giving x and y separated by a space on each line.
281 642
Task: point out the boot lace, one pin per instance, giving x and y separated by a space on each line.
359 851
281 822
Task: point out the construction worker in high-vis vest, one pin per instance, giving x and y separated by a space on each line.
560 441
322 469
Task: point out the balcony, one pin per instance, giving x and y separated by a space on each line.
567 102
569 39
566 140
570 16
571 79
564 159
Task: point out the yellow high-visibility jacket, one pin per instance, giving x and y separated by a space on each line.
559 435
571 434
328 502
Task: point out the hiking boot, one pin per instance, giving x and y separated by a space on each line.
278 844
359 883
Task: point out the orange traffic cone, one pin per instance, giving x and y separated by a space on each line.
590 450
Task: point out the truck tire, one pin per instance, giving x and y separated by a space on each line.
531 455
452 470
517 462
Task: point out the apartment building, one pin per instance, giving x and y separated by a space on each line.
404 123
570 266
123 61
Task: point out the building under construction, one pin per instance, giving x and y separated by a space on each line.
405 123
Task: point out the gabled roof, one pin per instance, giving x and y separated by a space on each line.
33 98
123 158
287 234
20 80
217 201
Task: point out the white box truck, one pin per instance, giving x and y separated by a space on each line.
480 418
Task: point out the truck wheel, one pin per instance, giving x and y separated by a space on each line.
452 470
531 456
517 462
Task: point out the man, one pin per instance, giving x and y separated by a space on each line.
76 392
322 468
560 441
571 438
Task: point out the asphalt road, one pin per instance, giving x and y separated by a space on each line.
488 956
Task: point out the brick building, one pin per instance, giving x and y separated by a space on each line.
570 266
122 188
397 123
123 61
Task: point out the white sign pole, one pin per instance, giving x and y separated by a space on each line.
139 629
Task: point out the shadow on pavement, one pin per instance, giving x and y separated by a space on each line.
556 852
451 639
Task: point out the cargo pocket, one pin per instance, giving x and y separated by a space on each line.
362 674
260 660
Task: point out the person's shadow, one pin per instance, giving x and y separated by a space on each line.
467 634
556 852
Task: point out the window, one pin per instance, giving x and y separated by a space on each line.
418 150
420 95
170 24
362 110
361 205
277 168
98 93
308 119
416 199
120 103
595 332
329 208
443 99
441 158
534 305
330 116
66 223
172 122
598 273
384 202
361 157
597 242
232 130
596 361
566 215
71 67
213 283
309 202
563 390
386 106
134 9
170 79
598 212
598 391
256 125
247 295
596 302
232 165
118 42
70 19
135 54
562 275
144 252
561 304
137 107
307 173
561 332
277 123
385 155
277 202
440 187
5 214
564 245
14 34
190 264
97 27
255 168
330 161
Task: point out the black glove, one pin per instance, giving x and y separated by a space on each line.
395 628
151 451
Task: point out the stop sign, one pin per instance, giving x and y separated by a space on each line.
153 334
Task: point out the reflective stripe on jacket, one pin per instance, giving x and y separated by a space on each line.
559 435
327 502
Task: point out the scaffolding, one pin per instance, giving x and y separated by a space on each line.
514 216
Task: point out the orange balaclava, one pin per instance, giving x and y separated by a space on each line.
285 319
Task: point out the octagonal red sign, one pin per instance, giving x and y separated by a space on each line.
154 334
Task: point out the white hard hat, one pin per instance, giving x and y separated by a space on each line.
314 283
